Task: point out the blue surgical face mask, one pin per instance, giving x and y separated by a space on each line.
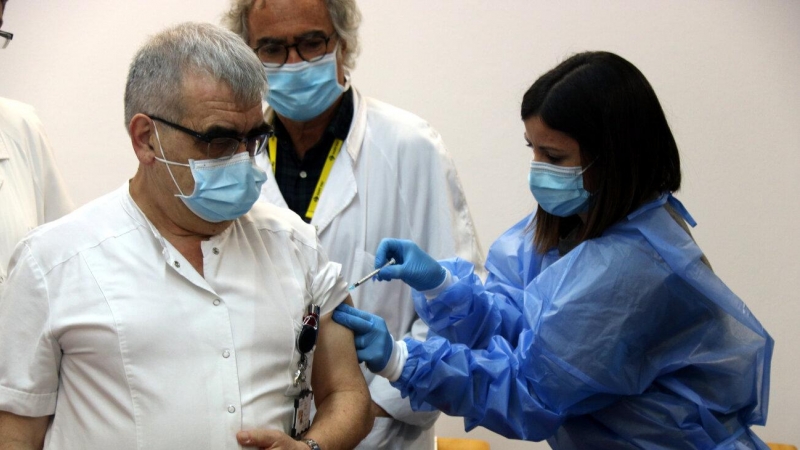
558 190
304 90
224 189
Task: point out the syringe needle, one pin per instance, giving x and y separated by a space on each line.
370 275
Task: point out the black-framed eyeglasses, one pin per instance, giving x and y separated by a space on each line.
5 38
220 147
309 48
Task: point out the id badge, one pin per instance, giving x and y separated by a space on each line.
302 413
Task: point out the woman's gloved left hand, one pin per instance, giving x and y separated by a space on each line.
373 341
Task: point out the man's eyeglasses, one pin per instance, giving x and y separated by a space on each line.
311 48
5 38
220 147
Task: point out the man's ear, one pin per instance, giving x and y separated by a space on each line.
143 139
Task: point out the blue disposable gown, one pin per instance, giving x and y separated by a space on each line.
627 341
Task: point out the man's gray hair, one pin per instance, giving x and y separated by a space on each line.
344 14
155 77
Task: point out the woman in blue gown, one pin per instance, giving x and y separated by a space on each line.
601 324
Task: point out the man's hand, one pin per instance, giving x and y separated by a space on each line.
269 439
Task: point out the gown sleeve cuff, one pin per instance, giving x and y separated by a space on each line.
415 350
397 360
431 294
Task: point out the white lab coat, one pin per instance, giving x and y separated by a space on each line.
393 178
32 191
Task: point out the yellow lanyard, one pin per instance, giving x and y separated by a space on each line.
323 177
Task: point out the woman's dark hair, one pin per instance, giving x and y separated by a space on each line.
606 104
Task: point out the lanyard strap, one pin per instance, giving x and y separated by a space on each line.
323 177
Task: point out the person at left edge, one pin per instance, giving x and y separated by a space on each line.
165 314
32 190
392 175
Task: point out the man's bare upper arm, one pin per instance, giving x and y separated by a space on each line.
340 391
22 433
335 362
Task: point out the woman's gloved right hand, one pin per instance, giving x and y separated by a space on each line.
415 267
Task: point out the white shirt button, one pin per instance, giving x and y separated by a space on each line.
215 250
231 409
226 354
216 302
177 264
303 174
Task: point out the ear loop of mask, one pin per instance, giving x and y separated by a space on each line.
169 163
590 165
339 55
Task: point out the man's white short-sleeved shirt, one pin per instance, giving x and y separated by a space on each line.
104 324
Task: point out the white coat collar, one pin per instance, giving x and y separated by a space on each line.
342 187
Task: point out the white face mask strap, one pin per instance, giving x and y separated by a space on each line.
589 165
167 162
339 55
346 81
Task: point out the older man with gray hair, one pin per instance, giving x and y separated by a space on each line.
168 313
356 168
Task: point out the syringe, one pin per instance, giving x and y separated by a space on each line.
370 275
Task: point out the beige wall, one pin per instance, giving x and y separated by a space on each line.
725 71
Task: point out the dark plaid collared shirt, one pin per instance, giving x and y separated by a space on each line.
298 178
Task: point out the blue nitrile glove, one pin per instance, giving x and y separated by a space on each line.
373 341
415 267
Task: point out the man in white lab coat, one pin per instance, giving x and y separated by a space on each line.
356 168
